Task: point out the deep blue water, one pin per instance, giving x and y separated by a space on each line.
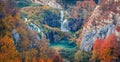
96 1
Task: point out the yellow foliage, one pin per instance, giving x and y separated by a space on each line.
49 60
8 51
46 7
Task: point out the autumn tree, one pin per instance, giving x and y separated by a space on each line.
3 26
105 50
57 58
29 48
96 49
8 52
109 50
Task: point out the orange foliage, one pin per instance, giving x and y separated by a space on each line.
44 60
97 46
46 7
29 47
109 50
106 51
8 52
57 58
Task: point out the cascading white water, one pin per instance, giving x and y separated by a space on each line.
26 19
62 15
32 25
64 23
64 26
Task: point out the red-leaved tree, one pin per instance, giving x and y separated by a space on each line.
97 46
109 50
96 49
105 50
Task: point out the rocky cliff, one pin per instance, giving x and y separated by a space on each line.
93 18
51 3
103 21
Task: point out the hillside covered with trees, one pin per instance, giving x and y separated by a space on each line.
59 31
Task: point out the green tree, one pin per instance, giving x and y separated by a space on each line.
82 56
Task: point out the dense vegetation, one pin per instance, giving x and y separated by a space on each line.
20 43
28 48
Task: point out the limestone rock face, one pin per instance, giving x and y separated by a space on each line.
51 3
103 21
88 39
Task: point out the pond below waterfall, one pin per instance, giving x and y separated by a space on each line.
62 45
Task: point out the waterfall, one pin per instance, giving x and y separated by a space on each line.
32 25
43 35
64 23
26 20
62 15
35 27
64 26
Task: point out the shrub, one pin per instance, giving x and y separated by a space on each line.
81 56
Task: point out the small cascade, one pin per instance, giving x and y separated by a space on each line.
62 15
64 26
42 35
26 19
64 23
32 26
